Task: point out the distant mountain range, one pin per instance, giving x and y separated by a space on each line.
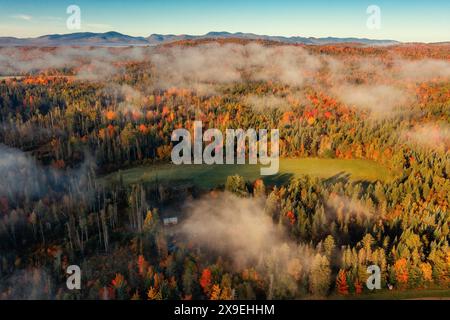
113 38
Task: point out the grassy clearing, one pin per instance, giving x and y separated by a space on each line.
210 176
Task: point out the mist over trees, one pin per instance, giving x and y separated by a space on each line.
65 125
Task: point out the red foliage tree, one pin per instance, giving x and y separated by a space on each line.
358 287
341 283
205 280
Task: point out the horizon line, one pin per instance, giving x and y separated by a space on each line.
204 34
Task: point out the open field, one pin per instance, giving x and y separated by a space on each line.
210 176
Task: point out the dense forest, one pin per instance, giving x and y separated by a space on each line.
64 125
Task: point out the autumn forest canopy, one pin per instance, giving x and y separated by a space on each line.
86 176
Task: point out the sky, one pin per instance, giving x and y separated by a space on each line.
423 21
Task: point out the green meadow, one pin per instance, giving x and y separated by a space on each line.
210 176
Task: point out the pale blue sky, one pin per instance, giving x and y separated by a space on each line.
427 21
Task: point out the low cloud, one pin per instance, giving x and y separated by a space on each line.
87 63
128 98
27 284
266 102
239 228
423 70
231 226
96 71
380 86
380 100
348 208
19 173
214 64
431 136
23 177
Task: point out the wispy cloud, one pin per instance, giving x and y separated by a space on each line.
98 26
51 18
25 17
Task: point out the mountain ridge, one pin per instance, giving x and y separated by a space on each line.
113 38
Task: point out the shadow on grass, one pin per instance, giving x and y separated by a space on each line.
342 176
278 179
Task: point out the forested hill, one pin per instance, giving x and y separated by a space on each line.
113 38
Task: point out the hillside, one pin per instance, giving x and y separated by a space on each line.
113 38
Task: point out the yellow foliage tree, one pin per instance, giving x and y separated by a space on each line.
215 292
427 271
154 294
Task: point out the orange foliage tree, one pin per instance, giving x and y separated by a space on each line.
401 271
341 282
